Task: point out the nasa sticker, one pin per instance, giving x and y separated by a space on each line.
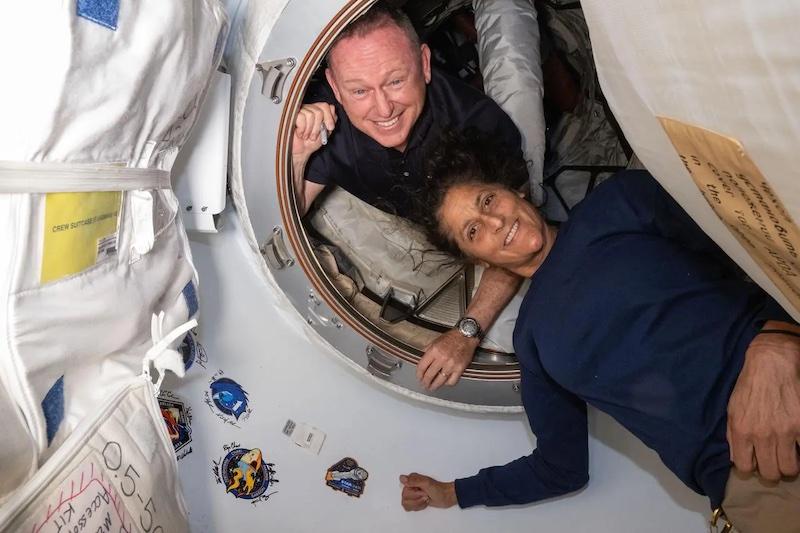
244 473
227 399
178 419
347 477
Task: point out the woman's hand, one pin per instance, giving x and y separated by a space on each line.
420 492
764 408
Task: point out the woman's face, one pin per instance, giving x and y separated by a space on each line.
496 226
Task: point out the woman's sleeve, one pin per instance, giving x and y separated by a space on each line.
559 464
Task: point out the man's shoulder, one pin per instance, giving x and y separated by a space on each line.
454 96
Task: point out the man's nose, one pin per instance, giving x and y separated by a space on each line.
382 104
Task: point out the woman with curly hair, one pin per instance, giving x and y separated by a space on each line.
634 310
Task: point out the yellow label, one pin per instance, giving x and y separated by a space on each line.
80 230
743 199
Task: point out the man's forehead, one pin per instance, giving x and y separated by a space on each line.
388 40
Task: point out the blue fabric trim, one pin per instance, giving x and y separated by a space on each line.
103 12
190 294
53 408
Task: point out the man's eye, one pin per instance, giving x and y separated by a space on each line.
359 92
396 82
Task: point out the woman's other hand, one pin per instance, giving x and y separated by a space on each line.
764 408
420 492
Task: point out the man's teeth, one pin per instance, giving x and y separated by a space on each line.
389 123
512 233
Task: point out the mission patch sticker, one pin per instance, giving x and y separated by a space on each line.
347 477
178 419
244 473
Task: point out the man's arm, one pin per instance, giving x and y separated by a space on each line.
306 140
448 356
764 408
305 191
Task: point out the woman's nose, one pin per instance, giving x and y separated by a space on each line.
495 222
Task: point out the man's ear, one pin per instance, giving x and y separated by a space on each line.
425 56
521 194
332 82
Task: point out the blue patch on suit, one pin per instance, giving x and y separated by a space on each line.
53 408
190 294
188 350
103 12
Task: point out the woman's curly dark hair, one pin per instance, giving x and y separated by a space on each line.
460 158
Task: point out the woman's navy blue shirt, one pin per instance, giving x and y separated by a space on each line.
638 313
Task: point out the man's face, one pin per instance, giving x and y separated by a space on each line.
380 81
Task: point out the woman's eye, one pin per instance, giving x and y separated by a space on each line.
471 233
488 200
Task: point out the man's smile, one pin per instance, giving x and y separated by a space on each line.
387 123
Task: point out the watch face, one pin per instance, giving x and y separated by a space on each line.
468 327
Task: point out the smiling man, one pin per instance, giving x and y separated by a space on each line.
384 107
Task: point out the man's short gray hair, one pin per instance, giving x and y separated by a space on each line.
378 16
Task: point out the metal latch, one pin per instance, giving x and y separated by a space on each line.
275 251
273 76
380 364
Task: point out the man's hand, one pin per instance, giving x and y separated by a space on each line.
445 359
308 127
764 408
420 492
306 140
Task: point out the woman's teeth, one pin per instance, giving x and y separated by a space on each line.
511 233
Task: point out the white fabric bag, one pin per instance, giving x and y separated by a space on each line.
115 472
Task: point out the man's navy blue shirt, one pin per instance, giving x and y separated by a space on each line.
387 178
638 313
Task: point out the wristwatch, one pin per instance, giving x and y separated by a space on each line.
469 327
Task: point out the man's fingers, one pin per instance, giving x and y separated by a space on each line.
453 378
330 117
314 126
431 374
439 380
422 366
300 125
